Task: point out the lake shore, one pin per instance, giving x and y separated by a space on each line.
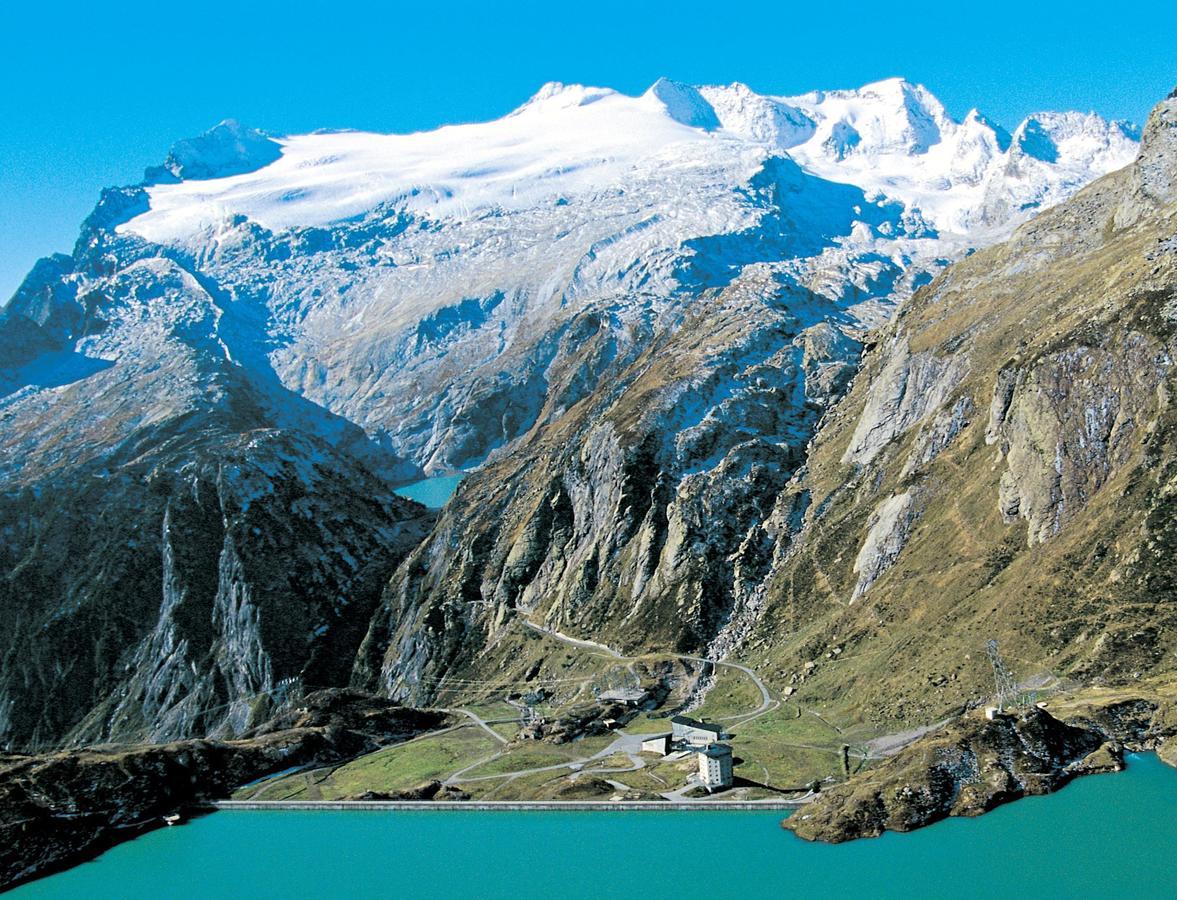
1060 845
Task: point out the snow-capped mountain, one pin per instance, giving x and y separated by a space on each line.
373 258
895 138
408 304
892 138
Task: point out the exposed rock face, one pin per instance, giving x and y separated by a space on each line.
968 769
938 434
888 532
1066 424
63 807
621 518
903 393
1153 180
229 573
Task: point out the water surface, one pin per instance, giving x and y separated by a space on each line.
432 492
1104 835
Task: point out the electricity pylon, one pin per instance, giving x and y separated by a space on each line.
1006 689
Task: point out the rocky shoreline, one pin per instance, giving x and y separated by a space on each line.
976 764
59 809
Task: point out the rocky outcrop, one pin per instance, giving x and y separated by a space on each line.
1153 180
905 391
1067 421
224 581
965 770
58 809
938 434
884 541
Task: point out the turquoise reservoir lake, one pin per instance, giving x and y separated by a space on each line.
1104 835
432 492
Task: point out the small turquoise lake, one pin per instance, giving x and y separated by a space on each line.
432 492
1104 835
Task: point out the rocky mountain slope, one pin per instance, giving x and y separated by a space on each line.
1004 466
181 543
652 514
631 312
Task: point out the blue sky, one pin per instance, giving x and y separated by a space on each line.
90 94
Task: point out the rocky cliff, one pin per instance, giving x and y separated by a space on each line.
183 546
974 766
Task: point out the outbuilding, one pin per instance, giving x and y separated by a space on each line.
659 743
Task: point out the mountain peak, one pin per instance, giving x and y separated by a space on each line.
684 103
890 137
755 117
1033 139
909 92
228 148
977 123
1153 180
558 95
892 115
894 84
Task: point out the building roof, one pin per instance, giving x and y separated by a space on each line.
717 750
625 695
695 723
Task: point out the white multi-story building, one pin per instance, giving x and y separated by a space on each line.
715 766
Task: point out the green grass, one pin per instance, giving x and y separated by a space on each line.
653 781
509 730
786 750
648 723
587 746
535 786
397 768
613 761
673 773
777 748
734 694
531 755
